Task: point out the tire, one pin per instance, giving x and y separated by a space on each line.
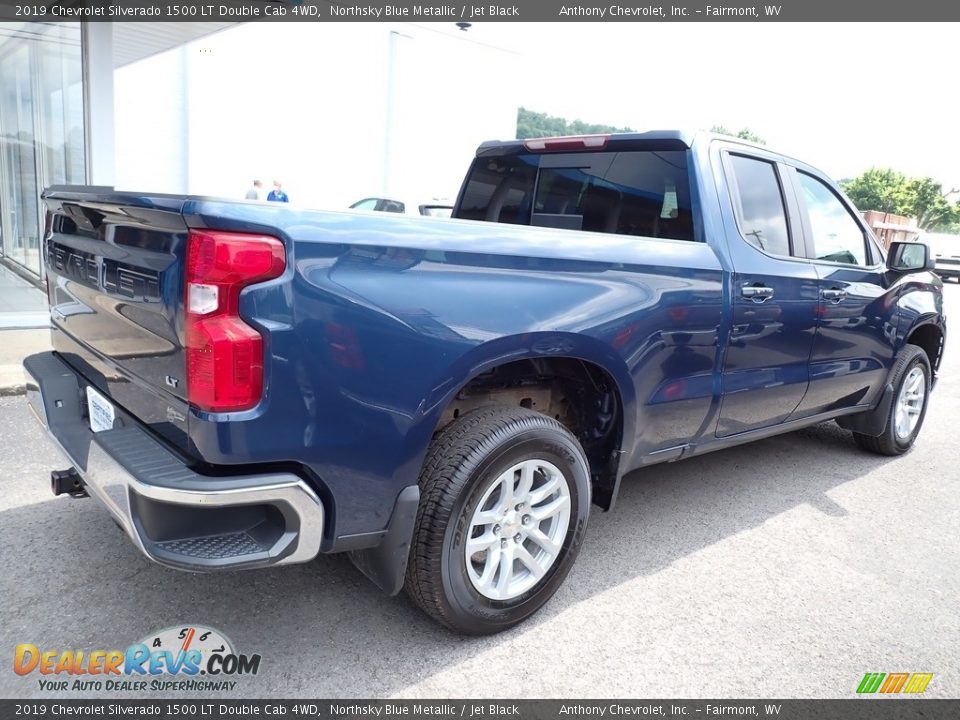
896 438
463 487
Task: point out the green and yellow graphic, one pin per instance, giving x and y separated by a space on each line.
889 683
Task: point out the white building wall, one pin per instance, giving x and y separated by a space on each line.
150 104
308 105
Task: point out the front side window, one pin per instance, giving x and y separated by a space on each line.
394 206
836 236
759 204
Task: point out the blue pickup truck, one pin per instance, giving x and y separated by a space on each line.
246 385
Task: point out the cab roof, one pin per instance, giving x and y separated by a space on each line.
663 139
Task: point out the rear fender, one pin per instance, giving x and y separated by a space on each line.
528 346
531 346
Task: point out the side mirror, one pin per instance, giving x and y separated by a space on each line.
910 257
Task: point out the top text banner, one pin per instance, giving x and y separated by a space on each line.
476 11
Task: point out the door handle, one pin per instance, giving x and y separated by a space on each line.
834 294
757 293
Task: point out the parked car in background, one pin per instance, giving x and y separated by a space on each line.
432 208
946 250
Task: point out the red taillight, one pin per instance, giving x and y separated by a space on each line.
224 354
572 142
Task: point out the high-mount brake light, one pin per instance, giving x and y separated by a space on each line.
224 353
572 142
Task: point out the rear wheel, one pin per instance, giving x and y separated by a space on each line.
505 495
911 391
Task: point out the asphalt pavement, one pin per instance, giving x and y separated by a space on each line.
785 568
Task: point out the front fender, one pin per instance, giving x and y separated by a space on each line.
920 304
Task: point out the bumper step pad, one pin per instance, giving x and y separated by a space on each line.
217 547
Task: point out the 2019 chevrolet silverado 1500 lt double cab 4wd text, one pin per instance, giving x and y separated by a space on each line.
247 384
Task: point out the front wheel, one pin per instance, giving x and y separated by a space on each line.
911 391
505 495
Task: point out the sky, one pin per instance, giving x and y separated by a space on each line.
305 102
841 96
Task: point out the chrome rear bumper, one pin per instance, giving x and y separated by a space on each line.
173 514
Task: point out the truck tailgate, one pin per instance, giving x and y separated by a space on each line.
114 264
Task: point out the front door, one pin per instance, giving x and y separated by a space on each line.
853 350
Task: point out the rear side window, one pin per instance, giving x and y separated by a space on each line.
629 193
758 201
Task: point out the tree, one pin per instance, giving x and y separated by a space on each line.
742 133
930 205
880 189
532 124
890 191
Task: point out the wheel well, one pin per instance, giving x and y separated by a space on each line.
930 339
579 394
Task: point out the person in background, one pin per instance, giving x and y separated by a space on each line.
277 195
254 192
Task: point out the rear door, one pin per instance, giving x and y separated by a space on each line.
115 283
774 293
853 349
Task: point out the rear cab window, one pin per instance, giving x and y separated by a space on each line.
635 192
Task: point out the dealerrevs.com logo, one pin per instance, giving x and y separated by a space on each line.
187 658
